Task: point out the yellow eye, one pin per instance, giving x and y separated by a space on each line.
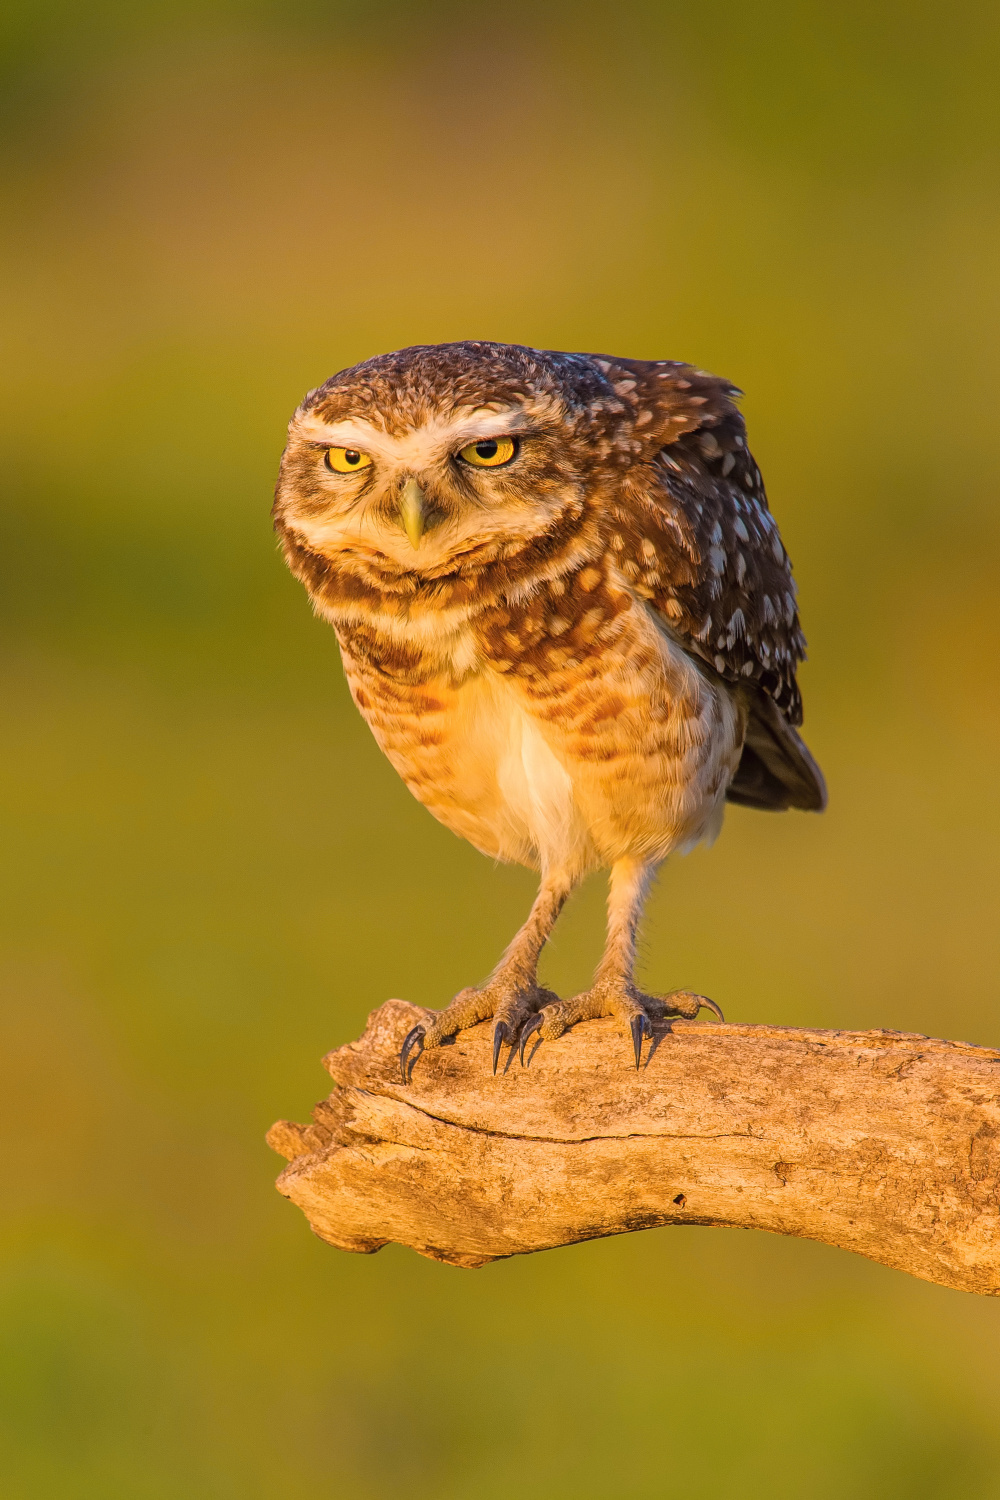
490 453
346 460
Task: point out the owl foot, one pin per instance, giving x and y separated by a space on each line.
625 1003
509 1005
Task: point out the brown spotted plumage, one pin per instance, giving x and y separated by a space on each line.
566 613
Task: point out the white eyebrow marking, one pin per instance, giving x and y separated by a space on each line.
422 446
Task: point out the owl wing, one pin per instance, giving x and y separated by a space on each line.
694 536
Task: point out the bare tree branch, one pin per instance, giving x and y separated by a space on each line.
882 1142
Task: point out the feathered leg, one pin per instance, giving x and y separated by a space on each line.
613 992
511 994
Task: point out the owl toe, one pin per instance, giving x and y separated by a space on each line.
685 1003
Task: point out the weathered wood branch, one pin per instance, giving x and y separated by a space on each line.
882 1142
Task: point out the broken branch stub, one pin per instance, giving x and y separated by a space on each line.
882 1142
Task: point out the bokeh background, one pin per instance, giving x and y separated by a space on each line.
209 873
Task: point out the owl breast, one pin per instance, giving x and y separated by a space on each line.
565 731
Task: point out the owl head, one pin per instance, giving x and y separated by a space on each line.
435 456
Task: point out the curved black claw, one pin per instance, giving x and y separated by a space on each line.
707 1004
640 1027
501 1034
528 1029
412 1038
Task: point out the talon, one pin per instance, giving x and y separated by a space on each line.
528 1029
640 1027
707 1004
500 1035
412 1037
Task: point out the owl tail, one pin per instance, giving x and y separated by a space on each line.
776 770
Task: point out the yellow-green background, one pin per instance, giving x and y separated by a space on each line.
210 875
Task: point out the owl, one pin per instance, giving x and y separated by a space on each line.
565 611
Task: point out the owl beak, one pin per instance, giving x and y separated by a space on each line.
413 511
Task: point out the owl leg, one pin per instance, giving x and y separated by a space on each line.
614 991
511 994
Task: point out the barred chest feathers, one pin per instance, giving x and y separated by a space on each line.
558 731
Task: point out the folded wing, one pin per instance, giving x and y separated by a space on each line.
695 537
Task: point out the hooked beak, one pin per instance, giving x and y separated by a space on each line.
413 511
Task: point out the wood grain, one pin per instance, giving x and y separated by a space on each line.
881 1142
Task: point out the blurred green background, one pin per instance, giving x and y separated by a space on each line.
209 873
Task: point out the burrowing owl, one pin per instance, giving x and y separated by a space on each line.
566 613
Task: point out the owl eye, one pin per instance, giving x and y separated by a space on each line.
490 453
346 460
